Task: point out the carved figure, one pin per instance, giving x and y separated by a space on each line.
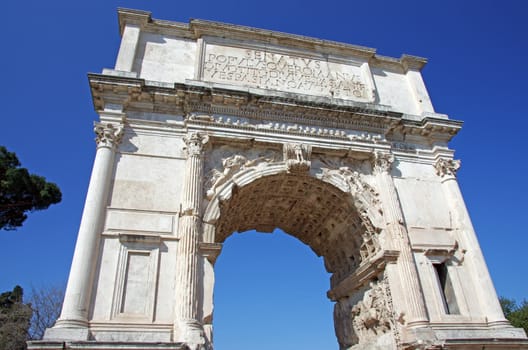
371 315
298 152
232 165
297 157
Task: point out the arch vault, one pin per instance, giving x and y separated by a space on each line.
208 129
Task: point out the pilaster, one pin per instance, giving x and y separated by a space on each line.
415 313
187 327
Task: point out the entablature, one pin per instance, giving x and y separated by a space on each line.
254 110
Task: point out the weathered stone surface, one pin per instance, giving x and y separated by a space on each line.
207 129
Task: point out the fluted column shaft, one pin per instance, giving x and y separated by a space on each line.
187 326
77 295
415 313
474 260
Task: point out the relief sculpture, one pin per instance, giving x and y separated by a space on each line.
371 315
232 165
366 198
364 318
297 157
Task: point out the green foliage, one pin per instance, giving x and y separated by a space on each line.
516 313
22 192
14 320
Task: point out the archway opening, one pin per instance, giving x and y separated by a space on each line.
314 212
271 294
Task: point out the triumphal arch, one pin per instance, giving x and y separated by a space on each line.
207 129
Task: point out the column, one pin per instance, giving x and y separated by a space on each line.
473 259
415 311
187 327
78 291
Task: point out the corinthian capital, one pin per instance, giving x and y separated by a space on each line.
382 162
195 143
108 135
447 167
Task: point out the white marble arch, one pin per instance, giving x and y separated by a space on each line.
353 240
331 142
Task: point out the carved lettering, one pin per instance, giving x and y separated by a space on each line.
271 70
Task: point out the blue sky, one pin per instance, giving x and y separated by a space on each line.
271 288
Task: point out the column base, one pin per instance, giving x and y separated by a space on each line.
191 333
67 333
92 345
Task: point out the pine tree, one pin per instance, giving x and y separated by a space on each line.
22 192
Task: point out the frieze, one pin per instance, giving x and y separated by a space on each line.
263 68
290 128
403 147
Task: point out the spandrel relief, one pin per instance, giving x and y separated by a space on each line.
224 162
351 176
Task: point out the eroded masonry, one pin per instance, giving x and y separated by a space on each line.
207 129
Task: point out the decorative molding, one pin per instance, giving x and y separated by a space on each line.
134 250
311 113
403 147
210 250
364 273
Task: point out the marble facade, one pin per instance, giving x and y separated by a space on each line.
207 129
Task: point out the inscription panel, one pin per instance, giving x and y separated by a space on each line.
267 69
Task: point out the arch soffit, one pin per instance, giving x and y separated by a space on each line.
360 231
364 196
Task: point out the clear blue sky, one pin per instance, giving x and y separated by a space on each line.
271 288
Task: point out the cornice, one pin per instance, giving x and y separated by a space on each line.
186 99
197 28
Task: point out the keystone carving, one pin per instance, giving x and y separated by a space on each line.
447 167
297 157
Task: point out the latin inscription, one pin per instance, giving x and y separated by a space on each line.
276 71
